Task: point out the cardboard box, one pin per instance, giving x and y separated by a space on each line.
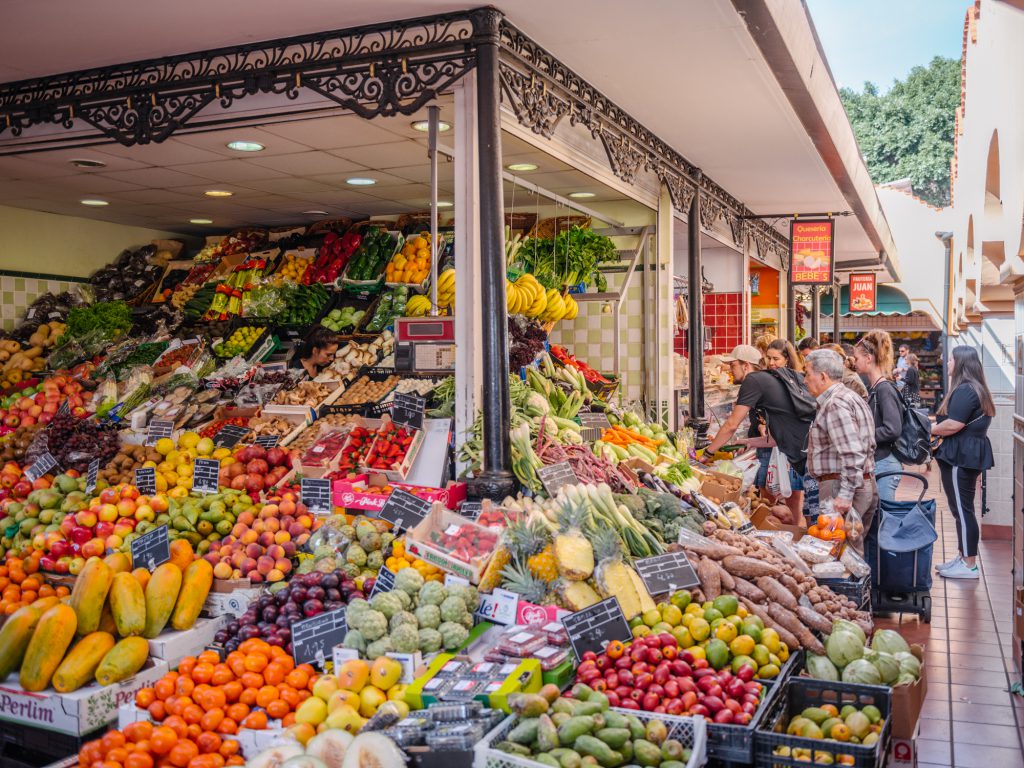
908 700
400 473
760 521
419 542
903 753
172 647
229 603
722 487
349 493
78 712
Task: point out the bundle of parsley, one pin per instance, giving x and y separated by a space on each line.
572 257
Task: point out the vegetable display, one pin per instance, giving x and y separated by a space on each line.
374 251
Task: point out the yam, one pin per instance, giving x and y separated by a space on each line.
813 619
710 578
790 583
776 592
744 588
728 582
746 567
785 635
712 549
785 618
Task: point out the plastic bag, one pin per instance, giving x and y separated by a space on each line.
830 570
787 549
777 480
814 550
854 563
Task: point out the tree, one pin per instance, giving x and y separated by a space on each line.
908 132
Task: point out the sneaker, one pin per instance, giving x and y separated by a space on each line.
948 564
960 571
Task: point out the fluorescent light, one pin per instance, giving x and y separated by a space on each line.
444 204
582 195
360 181
218 193
94 202
315 213
424 126
200 221
86 163
521 167
245 146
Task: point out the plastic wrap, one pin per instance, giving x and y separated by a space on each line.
814 550
829 570
854 563
787 549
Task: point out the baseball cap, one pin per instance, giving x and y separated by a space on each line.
745 353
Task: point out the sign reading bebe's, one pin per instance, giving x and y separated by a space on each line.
811 249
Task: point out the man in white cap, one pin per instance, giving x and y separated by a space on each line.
788 418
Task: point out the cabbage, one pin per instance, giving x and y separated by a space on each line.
849 626
887 665
905 678
821 668
843 647
861 671
889 641
909 664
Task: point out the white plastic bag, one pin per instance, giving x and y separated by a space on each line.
777 480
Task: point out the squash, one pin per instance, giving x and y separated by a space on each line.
161 595
194 589
128 605
90 593
81 662
14 637
122 661
50 640
119 562
182 554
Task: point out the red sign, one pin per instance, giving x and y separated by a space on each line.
863 296
811 251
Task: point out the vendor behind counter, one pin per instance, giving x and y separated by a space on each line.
316 352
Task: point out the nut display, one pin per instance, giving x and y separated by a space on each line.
365 390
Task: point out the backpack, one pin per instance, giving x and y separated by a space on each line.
805 406
913 446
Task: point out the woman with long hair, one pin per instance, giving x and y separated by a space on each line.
911 376
316 352
965 452
873 357
781 353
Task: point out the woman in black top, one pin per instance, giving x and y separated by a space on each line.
912 381
965 452
873 357
316 352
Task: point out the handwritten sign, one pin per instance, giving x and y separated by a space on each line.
594 627
313 639
145 480
268 441
151 549
40 467
229 435
92 475
666 573
206 476
408 410
403 510
316 495
592 424
158 429
557 475
471 509
385 582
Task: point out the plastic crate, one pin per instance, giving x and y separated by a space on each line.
735 743
790 667
858 590
798 694
691 732
22 744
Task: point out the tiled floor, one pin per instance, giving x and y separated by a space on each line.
970 720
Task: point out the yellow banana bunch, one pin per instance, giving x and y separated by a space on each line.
446 288
555 309
418 306
534 298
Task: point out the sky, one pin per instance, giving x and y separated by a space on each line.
882 40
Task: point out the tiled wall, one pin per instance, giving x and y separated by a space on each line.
18 293
724 313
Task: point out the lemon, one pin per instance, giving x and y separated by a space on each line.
221 453
164 466
164 446
161 484
173 457
205 446
188 440
149 464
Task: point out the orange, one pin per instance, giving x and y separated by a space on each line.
229 747
209 657
252 680
232 690
117 754
209 742
162 740
289 695
288 720
186 665
157 710
265 695
275 673
304 694
193 713
256 662
139 760
222 674
194 729
277 709
184 686
145 697
181 754
202 672
212 719
139 731
248 696
237 712
227 725
297 678
177 724
163 688
257 721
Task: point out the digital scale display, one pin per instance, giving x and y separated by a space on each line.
425 344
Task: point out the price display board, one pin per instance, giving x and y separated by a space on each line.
151 549
313 639
403 510
666 573
145 480
316 495
157 429
40 467
592 628
592 424
385 582
268 441
92 475
229 435
407 410
206 476
471 509
557 475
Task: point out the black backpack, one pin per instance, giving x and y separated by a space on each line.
913 446
805 406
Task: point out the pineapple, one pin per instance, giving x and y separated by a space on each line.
576 595
615 578
516 577
531 542
574 554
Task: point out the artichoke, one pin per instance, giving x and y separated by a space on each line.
355 555
400 618
379 648
355 640
373 625
387 603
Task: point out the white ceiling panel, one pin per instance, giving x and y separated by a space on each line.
28 167
307 163
391 155
154 196
155 177
290 185
228 171
346 131
170 152
94 183
216 142
62 158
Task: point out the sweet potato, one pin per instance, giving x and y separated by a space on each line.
712 549
710 578
790 583
728 582
813 619
787 619
744 588
761 612
776 592
746 567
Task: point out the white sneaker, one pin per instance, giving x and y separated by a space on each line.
960 570
948 564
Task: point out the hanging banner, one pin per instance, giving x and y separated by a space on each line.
811 251
863 293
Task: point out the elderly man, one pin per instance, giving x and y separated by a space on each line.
841 443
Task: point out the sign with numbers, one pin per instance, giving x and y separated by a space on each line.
385 582
92 475
403 510
268 441
594 627
151 549
557 475
407 410
157 429
229 435
316 495
42 465
666 573
145 480
314 639
206 476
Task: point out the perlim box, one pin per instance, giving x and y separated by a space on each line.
452 543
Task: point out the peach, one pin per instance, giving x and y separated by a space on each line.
270 510
305 521
236 574
265 565
213 559
275 575
295 530
283 564
272 524
159 503
289 548
253 550
250 537
287 507
266 539
126 507
222 571
302 539
246 518
282 536
275 551
248 565
239 530
237 559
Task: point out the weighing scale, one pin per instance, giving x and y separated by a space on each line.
425 344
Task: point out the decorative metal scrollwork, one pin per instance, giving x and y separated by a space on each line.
535 107
625 156
681 190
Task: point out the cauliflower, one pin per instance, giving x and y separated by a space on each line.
373 625
400 618
430 640
453 635
428 616
432 593
355 640
379 647
409 580
453 609
468 594
405 639
387 603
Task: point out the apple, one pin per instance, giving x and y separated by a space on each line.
104 529
86 518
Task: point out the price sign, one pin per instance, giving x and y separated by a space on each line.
592 424
557 475
65 408
385 582
268 441
40 467
206 476
592 628
92 476
408 410
499 607
229 435
145 480
403 510
151 549
313 639
316 495
157 429
666 573
471 509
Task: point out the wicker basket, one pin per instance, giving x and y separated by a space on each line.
339 226
549 228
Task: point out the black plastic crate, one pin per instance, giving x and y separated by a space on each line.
734 744
858 590
798 694
22 744
790 667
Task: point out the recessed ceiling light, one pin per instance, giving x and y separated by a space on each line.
218 193
444 204
582 195
200 221
94 202
424 126
360 181
315 213
85 163
245 146
522 167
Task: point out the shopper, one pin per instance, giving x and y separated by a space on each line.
965 452
762 390
850 378
316 352
807 345
912 381
781 353
902 363
841 445
873 355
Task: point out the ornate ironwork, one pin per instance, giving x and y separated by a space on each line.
382 69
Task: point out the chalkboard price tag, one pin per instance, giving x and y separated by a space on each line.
666 573
471 509
40 467
592 628
268 441
314 639
145 480
229 435
407 410
157 429
385 582
151 549
65 408
92 476
403 510
316 495
557 475
206 476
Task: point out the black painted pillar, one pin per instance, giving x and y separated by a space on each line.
836 291
816 312
790 310
496 479
695 333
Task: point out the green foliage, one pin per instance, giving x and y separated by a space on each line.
572 256
908 132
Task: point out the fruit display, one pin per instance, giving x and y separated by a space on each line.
310 393
21 583
845 724
40 403
465 542
142 745
293 266
121 468
391 445
399 559
302 304
334 256
417 306
255 469
367 263
15 444
210 430
333 748
345 319
129 275
887 660
361 558
366 390
411 265
239 342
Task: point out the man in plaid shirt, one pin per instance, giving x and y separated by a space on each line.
841 444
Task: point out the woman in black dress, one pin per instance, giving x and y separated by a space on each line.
965 452
912 381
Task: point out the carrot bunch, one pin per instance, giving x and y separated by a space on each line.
621 436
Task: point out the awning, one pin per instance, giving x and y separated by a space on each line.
890 301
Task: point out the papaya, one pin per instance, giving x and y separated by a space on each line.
122 661
50 640
107 623
128 605
182 554
195 586
142 576
81 662
90 594
14 637
161 595
43 604
119 562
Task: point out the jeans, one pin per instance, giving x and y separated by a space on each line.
887 485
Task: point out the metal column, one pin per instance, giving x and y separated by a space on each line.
790 310
836 295
695 333
815 312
